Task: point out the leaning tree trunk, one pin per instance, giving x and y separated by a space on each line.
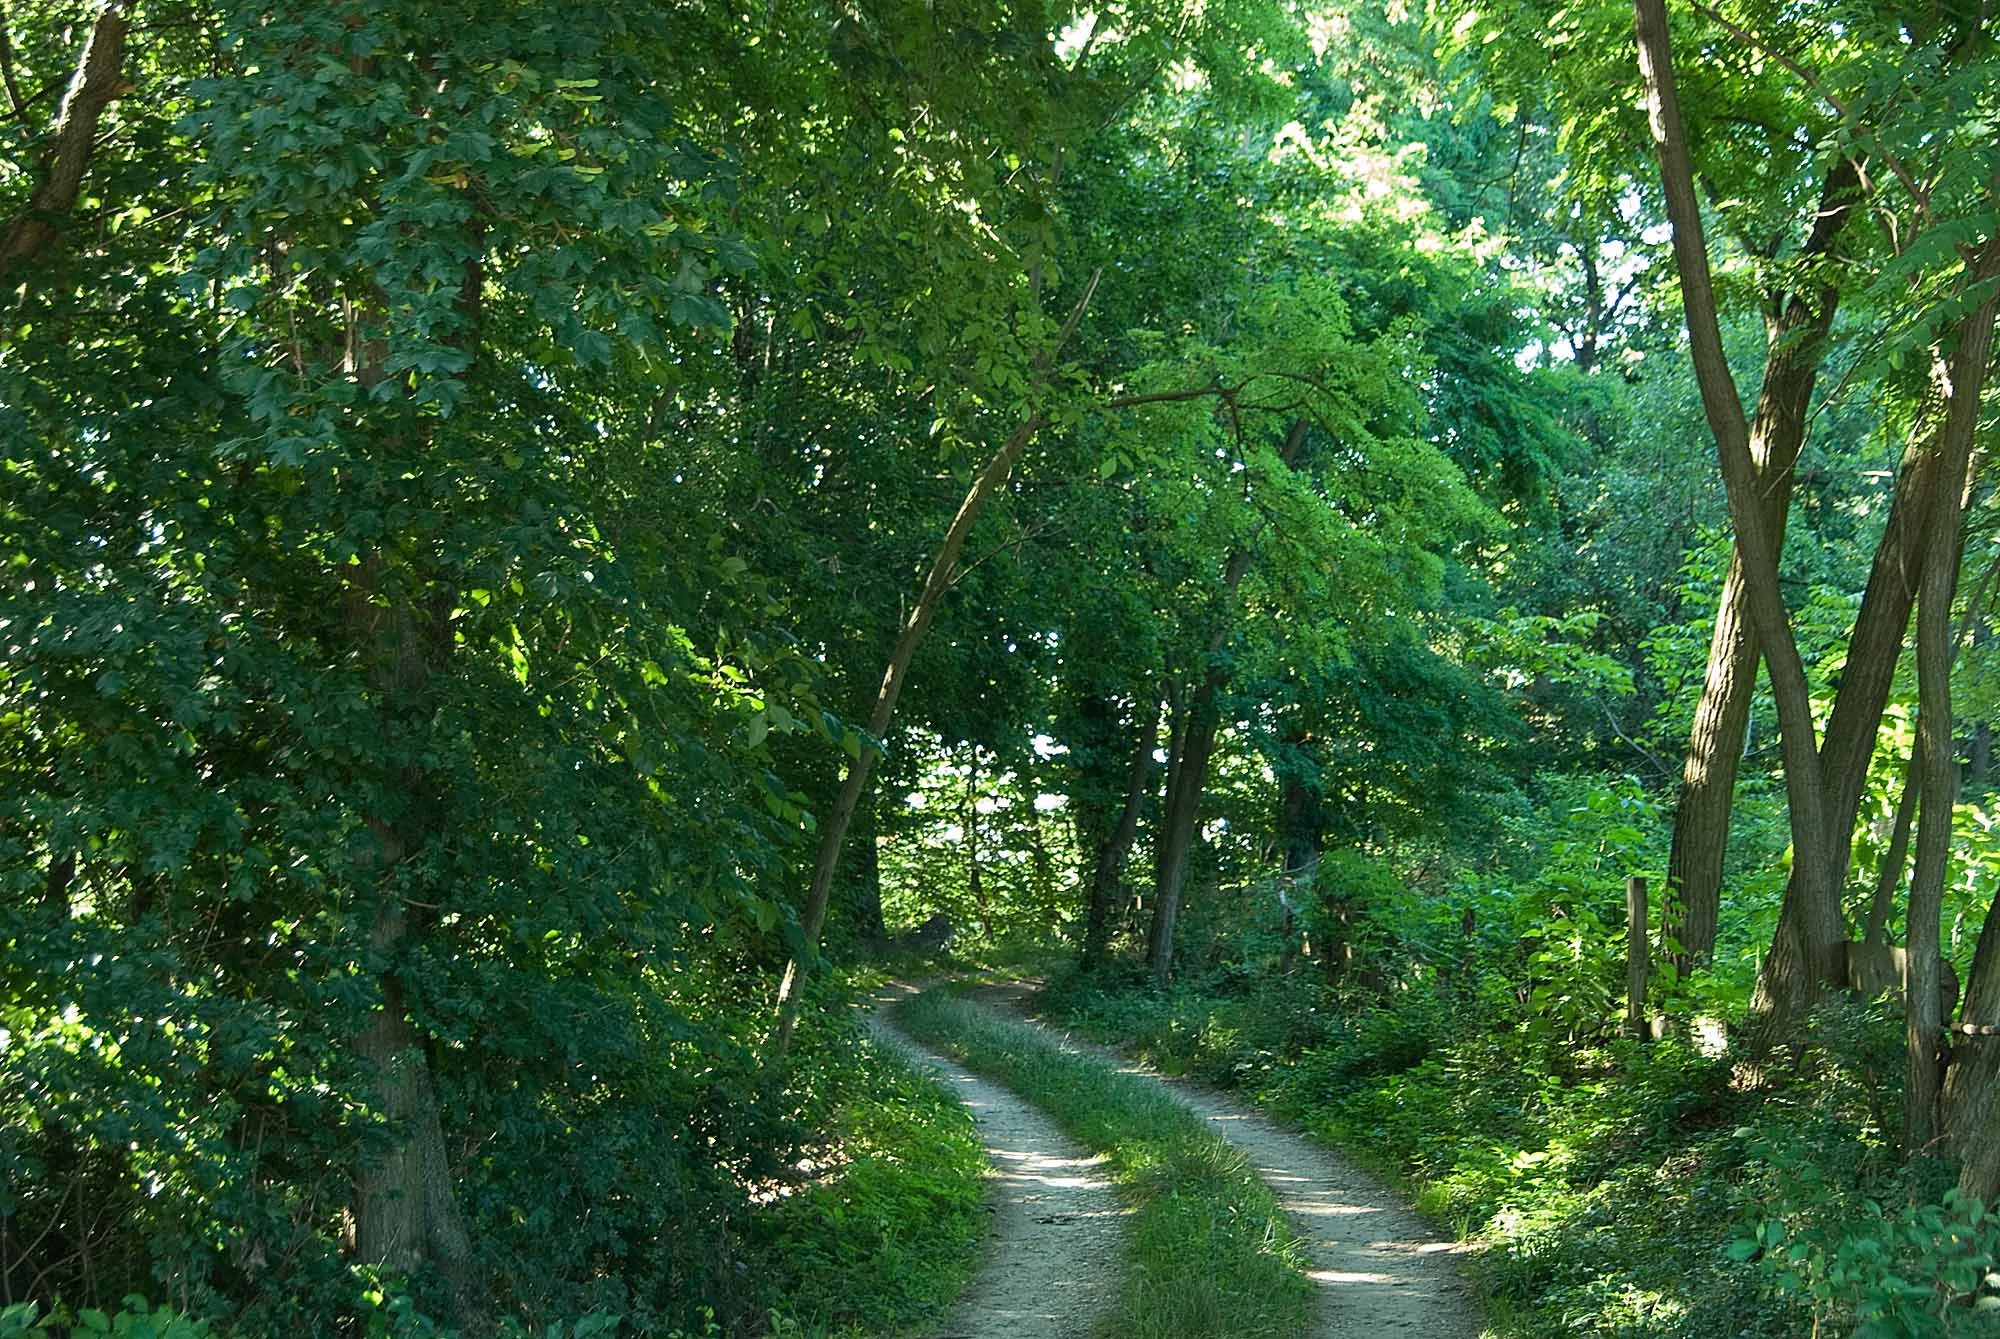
1187 772
944 570
1108 871
1814 892
95 83
1797 325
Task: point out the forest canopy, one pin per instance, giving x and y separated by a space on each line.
543 545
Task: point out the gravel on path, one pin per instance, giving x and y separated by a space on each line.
1380 1269
1055 1246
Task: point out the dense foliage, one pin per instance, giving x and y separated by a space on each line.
523 530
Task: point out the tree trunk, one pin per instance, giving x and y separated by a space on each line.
1187 770
93 86
1708 781
944 570
1301 827
1180 814
1897 858
405 1214
397 621
1813 895
1796 328
1923 1023
56 885
1106 875
1929 486
1971 1096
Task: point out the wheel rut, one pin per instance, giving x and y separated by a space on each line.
1379 1269
1055 1239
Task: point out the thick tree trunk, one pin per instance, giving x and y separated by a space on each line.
1970 1100
1708 781
1107 873
405 1214
398 623
96 82
1923 1023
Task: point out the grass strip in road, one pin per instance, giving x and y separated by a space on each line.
1211 1252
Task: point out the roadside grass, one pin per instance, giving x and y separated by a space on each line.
1211 1252
1617 1187
882 1233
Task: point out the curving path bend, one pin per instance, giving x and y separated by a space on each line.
1055 1245
1380 1270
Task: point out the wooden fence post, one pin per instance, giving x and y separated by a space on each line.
1636 961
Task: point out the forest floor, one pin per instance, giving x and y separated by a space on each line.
1051 1265
1378 1269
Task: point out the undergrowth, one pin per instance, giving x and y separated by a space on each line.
1211 1253
884 1237
1622 1188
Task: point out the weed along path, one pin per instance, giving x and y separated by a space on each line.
1378 1269
1056 1243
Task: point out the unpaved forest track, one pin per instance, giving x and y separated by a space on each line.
1053 1259
1380 1270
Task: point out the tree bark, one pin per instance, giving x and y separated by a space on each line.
96 83
1970 1113
1708 781
1897 858
1936 743
1187 772
405 1214
1180 815
1107 872
1814 889
944 570
1929 486
1796 327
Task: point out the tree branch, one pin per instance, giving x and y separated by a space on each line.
93 87
14 97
